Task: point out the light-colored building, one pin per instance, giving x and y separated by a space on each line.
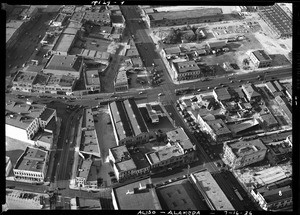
45 140
8 166
64 65
121 81
118 21
89 143
59 20
128 124
244 153
68 9
289 91
64 43
78 203
102 18
139 195
77 17
32 165
153 114
63 84
260 58
210 190
185 70
285 106
251 93
221 94
171 51
274 199
268 120
24 81
96 56
124 169
84 167
92 80
216 45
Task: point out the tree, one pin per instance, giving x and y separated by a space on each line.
189 37
172 37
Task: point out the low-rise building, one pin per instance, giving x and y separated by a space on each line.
273 199
121 81
68 9
139 195
84 166
89 143
251 93
59 20
79 203
92 80
64 65
118 21
285 106
14 28
77 17
185 70
260 58
101 18
243 153
268 120
60 84
45 140
153 114
8 166
64 42
273 88
216 45
32 165
217 129
210 190
171 51
222 94
23 81
289 91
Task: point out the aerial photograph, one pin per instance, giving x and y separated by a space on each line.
148 107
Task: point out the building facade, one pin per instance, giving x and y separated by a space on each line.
260 59
185 70
244 153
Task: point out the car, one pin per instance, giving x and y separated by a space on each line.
231 81
208 88
240 80
160 94
215 88
140 93
199 90
248 82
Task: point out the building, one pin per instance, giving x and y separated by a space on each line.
185 70
29 13
173 18
14 28
77 17
139 195
277 19
217 129
59 84
136 62
260 58
84 166
78 203
153 114
68 9
24 81
171 52
214 196
8 166
244 127
96 56
89 143
121 81
285 106
92 80
64 43
268 120
251 93
216 45
274 199
180 195
102 18
272 87
178 151
32 165
243 153
45 140
128 123
222 94
59 20
64 65
118 21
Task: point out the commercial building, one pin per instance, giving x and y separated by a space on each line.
102 18
77 17
64 43
139 195
118 21
251 93
79 203
180 195
277 19
59 20
274 88
121 81
243 153
84 166
285 106
58 84
273 199
128 124
64 65
268 120
241 128
96 56
45 140
221 94
216 45
217 129
24 81
89 143
185 70
171 51
92 80
260 58
8 166
210 190
32 165
153 114
173 18
178 151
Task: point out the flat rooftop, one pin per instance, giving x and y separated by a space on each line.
184 15
261 55
64 42
243 148
89 143
120 152
46 137
180 195
140 160
126 165
243 126
121 78
11 27
88 119
65 63
61 80
84 167
186 66
212 190
219 126
137 199
77 17
60 17
222 93
92 78
41 79
32 160
178 135
47 113
25 77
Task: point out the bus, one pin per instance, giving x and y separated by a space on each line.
182 90
238 194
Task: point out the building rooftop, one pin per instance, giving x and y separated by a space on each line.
25 77
64 42
184 15
289 89
126 165
137 116
178 135
88 119
121 78
217 44
261 55
11 27
60 17
222 93
132 52
89 143
172 50
77 17
284 104
84 167
275 195
212 190
140 160
137 199
51 125
61 81
65 63
97 17
186 66
46 137
165 153
74 25
72 31
90 204
117 19
243 148
180 195
33 68
92 77
271 87
219 126
120 153
278 85
250 90
68 9
152 113
21 200
136 61
32 160
41 79
243 126
46 114
269 119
